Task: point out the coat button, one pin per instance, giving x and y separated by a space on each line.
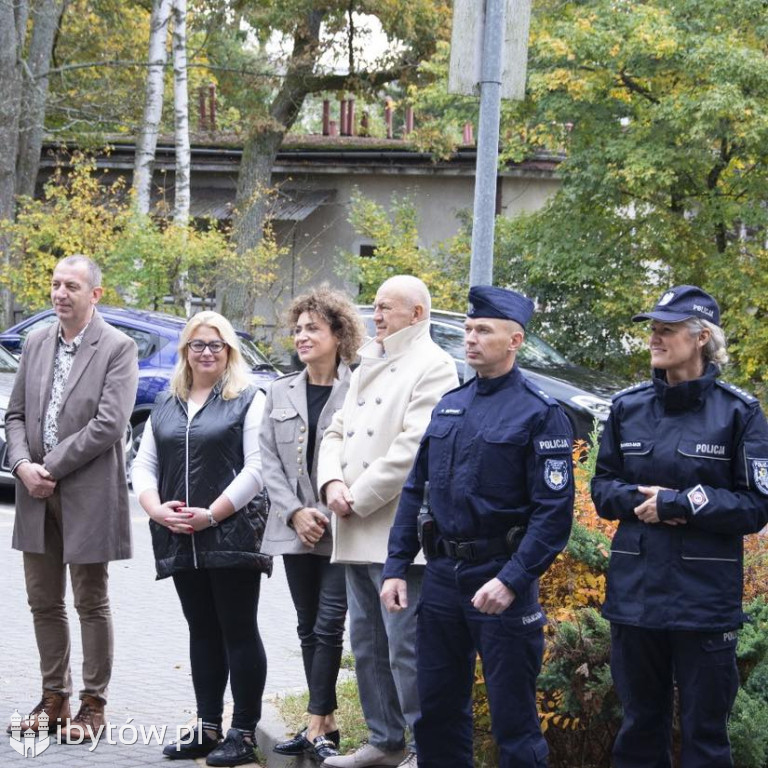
301 471
299 449
393 368
365 465
370 431
302 428
299 460
343 464
378 401
301 439
361 401
350 432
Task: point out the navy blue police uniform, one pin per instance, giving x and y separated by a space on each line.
674 591
497 455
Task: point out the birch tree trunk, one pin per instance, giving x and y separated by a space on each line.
146 141
181 132
11 39
46 16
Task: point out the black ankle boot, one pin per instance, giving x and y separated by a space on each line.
201 745
234 750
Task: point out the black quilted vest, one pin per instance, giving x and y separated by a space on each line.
197 460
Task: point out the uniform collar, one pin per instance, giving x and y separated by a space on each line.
688 394
489 386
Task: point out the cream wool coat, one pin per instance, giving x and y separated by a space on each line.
373 438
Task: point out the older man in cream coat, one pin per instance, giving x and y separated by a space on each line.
365 457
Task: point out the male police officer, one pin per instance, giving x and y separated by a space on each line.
497 510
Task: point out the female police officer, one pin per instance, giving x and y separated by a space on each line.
683 466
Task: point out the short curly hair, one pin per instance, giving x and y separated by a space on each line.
338 311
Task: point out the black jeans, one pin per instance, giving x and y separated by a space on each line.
220 605
319 594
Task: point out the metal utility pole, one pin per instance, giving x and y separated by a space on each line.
483 222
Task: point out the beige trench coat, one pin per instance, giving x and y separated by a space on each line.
88 463
283 440
372 440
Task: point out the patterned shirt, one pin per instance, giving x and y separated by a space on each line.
62 365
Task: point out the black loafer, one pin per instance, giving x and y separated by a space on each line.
295 746
322 748
234 750
201 745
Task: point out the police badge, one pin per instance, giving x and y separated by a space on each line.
760 475
556 474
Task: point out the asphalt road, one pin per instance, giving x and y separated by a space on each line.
151 682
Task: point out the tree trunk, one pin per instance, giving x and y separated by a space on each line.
182 295
259 153
146 141
10 108
46 16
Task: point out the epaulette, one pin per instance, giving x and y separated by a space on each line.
540 393
634 388
461 386
736 391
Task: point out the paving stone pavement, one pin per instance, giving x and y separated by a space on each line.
151 683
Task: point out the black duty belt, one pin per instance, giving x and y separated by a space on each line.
474 550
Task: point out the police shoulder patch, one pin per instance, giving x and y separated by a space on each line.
760 474
736 391
556 473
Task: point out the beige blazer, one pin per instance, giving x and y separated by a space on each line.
88 462
373 438
283 441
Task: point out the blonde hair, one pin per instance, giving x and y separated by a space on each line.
714 351
235 377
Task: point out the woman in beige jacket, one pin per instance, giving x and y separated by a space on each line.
326 333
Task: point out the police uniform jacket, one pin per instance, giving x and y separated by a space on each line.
283 440
707 442
497 454
374 436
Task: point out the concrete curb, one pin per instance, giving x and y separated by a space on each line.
272 729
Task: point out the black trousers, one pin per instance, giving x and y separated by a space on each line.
645 664
220 606
319 594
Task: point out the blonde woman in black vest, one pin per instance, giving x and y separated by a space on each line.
198 477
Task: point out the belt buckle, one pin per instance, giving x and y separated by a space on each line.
465 550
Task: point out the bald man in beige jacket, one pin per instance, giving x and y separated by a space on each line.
365 457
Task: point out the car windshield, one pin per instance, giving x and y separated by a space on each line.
535 352
8 363
253 358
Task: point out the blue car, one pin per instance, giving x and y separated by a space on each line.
157 337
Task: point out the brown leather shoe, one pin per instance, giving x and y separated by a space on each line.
55 705
87 721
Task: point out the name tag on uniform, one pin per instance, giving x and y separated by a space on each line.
635 446
450 412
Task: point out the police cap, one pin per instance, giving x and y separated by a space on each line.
681 303
489 301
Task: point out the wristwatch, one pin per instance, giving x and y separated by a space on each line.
211 519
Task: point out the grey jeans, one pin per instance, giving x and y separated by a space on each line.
384 646
46 580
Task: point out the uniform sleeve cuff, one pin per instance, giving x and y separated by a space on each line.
394 568
667 506
514 578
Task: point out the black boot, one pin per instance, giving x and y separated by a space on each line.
234 750
201 745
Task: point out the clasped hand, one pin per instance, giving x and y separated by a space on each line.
179 518
309 523
648 512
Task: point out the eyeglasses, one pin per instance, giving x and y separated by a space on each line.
198 346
